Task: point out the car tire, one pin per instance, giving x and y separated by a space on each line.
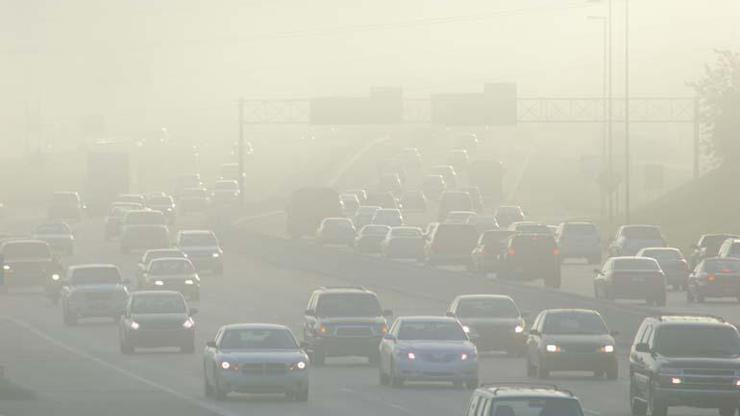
383 378
396 382
656 407
613 372
218 392
301 395
207 389
531 369
727 411
542 373
637 407
472 384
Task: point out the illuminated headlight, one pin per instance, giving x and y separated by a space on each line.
607 348
676 380
158 283
518 329
225 365
189 282
300 365
215 255
552 348
188 324
411 356
6 267
464 356
737 383
466 329
134 325
55 277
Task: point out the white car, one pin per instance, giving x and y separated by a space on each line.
388 216
203 249
459 217
336 230
172 273
404 243
428 348
93 291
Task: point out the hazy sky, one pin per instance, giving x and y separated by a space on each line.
145 63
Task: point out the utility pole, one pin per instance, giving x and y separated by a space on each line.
627 111
697 137
240 156
609 124
605 186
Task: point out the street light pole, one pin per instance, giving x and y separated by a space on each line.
605 190
609 104
627 111
240 156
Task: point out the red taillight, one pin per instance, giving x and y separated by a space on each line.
512 252
711 277
556 252
725 271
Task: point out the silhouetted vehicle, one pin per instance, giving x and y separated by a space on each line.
475 197
390 182
30 263
684 361
520 399
632 238
131 199
730 248
672 263
631 278
155 319
350 204
361 194
336 230
369 237
433 186
153 254
66 206
507 214
203 250
364 215
451 244
453 201
144 237
491 245
531 257
115 217
172 273
707 246
414 201
447 172
59 235
344 321
230 172
458 159
389 217
93 291
487 175
579 240
571 340
225 193
494 322
714 277
308 207
164 204
404 243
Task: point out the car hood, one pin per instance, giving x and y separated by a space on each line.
596 340
436 346
97 288
159 317
725 363
262 356
491 321
201 249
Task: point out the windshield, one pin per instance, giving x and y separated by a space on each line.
579 229
258 339
31 249
158 254
406 232
95 276
52 229
536 407
636 264
573 323
533 229
697 341
348 305
431 331
722 266
198 240
663 255
145 218
158 304
642 233
487 308
169 267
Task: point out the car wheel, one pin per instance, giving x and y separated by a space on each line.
531 369
656 407
612 373
396 382
218 392
301 395
637 407
727 411
207 389
472 384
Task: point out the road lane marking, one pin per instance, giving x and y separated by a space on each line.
372 400
82 354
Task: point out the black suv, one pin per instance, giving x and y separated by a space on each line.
530 257
680 360
517 399
344 321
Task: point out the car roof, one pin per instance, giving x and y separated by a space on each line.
185 232
157 293
254 326
24 241
514 390
673 249
571 310
483 296
92 266
343 289
164 259
624 227
688 319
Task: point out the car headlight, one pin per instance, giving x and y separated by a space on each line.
466 329
676 380
518 329
215 255
411 356
225 365
158 283
189 282
300 365
607 348
465 356
552 348
188 324
6 267
55 277
134 325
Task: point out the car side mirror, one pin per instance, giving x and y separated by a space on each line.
387 314
642 347
597 271
534 332
211 344
390 337
303 345
193 311
450 314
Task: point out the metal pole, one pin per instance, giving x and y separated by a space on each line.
697 137
627 111
604 131
240 156
609 124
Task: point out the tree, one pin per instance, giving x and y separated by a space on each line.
719 100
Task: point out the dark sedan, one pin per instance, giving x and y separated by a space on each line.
631 278
714 277
155 319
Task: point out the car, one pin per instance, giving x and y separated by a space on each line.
194 200
361 194
729 249
493 321
115 216
369 237
172 273
468 142
433 186
150 255
342 322
507 214
142 217
225 192
390 182
131 199
453 201
707 246
414 201
459 217
66 205
632 238
59 235
483 223
579 240
672 263
144 237
255 358
388 216
336 230
631 277
531 257
382 199
485 255
203 249
404 243
448 173
571 340
475 197
232 171
156 319
30 263
522 399
428 348
684 360
529 227
93 291
450 244
458 159
714 277
364 215
163 203
307 207
350 204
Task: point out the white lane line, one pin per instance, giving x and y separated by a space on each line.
371 400
590 412
82 354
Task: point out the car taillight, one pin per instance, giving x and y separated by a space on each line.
555 252
512 252
712 277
